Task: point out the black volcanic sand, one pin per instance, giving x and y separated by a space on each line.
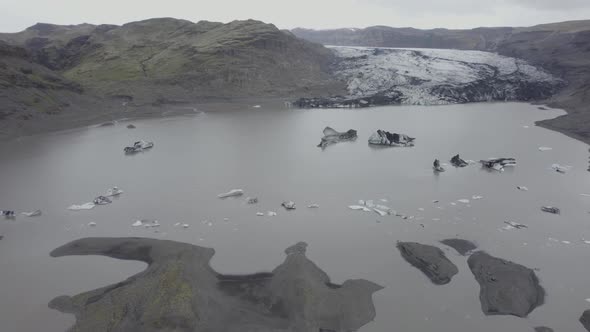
179 291
463 247
585 320
430 260
543 329
506 288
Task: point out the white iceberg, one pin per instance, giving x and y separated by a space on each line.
32 213
233 192
379 212
359 207
114 191
84 206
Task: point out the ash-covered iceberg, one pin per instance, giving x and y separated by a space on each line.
382 137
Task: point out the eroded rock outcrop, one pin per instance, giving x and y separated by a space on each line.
506 288
179 291
430 260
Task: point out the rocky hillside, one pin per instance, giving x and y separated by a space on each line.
563 49
87 73
166 59
30 91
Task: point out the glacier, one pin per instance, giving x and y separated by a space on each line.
381 76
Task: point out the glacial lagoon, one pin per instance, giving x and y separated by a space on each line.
272 154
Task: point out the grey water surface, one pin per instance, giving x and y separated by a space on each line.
272 154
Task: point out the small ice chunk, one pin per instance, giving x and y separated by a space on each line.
463 200
525 127
475 197
92 224
560 168
545 148
359 207
566 242
361 202
420 209
289 205
256 106
114 191
514 225
588 300
271 213
385 208
233 192
369 204
453 203
435 201
523 188
84 206
185 225
226 219
313 206
252 200
32 213
177 224
586 195
260 214
137 223
383 200
379 212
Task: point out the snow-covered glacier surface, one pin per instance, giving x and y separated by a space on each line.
434 76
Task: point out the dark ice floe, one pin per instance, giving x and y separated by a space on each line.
179 291
463 247
332 136
506 288
430 260
585 320
543 329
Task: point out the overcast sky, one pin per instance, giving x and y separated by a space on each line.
16 15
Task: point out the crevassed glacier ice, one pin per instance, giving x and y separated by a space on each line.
436 76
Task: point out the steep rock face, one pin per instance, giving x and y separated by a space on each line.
431 77
179 291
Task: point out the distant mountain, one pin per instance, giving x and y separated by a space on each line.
561 48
